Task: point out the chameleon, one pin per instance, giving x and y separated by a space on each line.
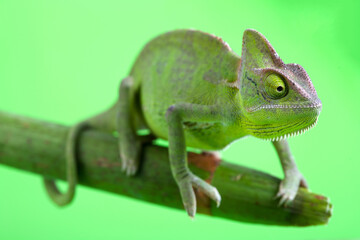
190 88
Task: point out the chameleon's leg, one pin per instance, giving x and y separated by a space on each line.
293 178
129 142
59 198
186 180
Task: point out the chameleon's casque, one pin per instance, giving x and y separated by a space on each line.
189 87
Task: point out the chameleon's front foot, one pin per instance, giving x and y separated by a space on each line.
293 178
289 187
186 185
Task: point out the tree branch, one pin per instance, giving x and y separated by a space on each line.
247 194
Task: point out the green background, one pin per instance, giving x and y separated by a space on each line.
62 61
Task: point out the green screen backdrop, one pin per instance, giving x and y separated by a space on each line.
62 61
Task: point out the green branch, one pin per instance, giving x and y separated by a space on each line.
247 194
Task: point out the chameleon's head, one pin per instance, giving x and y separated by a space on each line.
277 99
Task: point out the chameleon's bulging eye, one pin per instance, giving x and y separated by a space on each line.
275 86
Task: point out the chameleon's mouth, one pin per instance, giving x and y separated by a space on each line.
292 134
299 119
317 105
274 122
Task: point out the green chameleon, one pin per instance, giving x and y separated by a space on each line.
190 88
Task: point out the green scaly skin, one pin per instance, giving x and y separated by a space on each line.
190 88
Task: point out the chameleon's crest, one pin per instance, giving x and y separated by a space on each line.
257 52
278 99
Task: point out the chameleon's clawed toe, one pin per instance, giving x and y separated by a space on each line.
130 157
131 170
285 198
207 188
129 165
288 188
188 195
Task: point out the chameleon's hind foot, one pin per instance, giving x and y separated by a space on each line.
130 158
188 195
288 188
129 166
130 154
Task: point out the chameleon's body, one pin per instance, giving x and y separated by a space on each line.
193 68
190 88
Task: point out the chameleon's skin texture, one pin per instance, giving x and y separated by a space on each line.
190 88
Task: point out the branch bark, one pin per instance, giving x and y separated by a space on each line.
247 195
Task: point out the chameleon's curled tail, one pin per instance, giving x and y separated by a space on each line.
59 198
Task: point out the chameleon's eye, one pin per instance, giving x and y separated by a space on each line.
275 86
